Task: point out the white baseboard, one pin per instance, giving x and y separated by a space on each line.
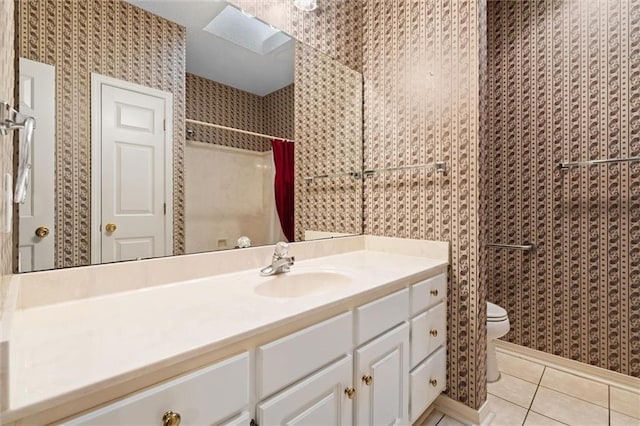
570 366
464 414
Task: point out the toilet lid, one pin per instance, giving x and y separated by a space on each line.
495 312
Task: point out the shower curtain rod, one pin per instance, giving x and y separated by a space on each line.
233 129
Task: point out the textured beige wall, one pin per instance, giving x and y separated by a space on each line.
113 38
421 66
565 86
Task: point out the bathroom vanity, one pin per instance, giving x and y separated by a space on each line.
354 334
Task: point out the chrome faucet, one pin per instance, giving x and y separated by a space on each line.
280 262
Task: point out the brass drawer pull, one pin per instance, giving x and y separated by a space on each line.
367 380
171 419
434 292
433 382
350 392
434 333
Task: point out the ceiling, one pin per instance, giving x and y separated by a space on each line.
235 49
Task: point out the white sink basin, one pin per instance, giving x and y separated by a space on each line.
298 284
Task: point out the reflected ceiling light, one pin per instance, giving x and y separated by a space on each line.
306 5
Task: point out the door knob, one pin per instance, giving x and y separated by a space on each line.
350 392
42 231
434 333
171 419
433 382
111 227
367 380
434 292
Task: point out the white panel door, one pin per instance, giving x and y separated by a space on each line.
317 400
133 174
37 99
385 362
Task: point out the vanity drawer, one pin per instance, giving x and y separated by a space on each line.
377 317
428 292
428 332
298 355
427 381
206 396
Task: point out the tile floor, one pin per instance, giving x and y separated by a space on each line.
533 394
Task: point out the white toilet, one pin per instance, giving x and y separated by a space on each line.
497 326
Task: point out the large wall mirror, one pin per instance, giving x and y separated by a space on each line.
177 127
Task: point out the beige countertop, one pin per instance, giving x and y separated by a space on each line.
63 352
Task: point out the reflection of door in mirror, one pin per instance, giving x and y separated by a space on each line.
37 230
132 163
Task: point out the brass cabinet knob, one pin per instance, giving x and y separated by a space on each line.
434 292
111 227
367 380
434 333
433 382
42 231
171 419
350 392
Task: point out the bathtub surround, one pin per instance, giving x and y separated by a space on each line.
213 102
119 40
564 84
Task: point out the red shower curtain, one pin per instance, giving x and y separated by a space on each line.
283 184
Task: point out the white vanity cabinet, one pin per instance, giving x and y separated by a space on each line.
382 362
218 394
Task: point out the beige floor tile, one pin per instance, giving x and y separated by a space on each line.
433 418
507 414
625 402
513 390
518 367
585 389
535 419
449 421
569 410
618 419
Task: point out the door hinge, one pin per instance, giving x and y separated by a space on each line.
165 209
164 124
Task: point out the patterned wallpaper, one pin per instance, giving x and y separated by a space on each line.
328 135
119 40
421 66
565 86
334 28
213 102
279 113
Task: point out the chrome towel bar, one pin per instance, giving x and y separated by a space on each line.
523 247
565 166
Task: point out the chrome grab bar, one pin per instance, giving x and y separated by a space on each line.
523 247
438 166
565 166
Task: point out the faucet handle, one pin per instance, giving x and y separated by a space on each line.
281 249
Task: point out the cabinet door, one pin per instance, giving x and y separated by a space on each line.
317 400
207 396
384 365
